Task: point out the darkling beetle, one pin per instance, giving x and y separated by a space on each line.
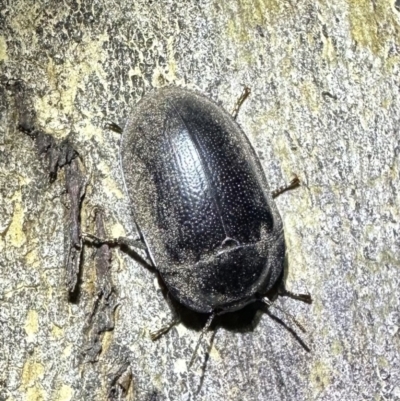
201 203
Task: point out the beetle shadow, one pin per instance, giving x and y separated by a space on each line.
244 320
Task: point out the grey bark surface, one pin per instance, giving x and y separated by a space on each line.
325 102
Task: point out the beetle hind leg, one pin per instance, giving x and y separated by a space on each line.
203 332
175 319
267 302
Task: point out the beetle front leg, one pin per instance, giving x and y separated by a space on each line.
131 246
135 243
294 183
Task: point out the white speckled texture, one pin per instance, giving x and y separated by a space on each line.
325 105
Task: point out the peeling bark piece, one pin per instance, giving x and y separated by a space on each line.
120 380
101 318
76 186
57 156
44 142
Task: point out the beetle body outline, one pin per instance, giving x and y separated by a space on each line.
201 201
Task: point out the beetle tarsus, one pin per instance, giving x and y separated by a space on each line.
294 183
294 295
245 94
113 127
155 335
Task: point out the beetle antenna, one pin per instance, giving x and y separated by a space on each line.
267 302
205 328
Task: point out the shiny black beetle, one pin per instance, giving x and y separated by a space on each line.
201 202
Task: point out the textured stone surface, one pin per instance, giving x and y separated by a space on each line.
325 105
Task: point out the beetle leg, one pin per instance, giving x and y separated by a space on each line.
176 319
121 241
246 92
294 183
267 302
294 295
205 329
127 245
113 127
155 335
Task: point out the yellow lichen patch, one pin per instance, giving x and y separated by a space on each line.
35 394
214 354
337 348
117 231
161 76
317 308
370 24
109 185
15 234
3 49
32 372
386 103
56 332
89 281
309 95
65 393
320 376
285 64
383 362
32 323
172 67
89 131
250 14
310 217
242 18
107 340
79 63
67 351
32 258
282 149
26 26
158 79
328 50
